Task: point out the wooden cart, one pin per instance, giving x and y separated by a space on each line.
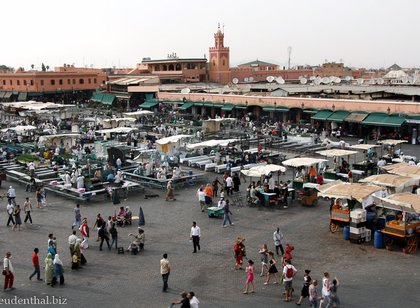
339 218
214 211
408 233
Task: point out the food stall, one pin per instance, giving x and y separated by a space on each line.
403 169
117 122
367 165
394 183
214 125
339 171
167 145
302 163
346 198
406 225
391 153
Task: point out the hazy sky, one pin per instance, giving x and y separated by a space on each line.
367 33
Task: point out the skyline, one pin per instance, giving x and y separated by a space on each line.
361 33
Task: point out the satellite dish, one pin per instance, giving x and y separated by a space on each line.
280 80
246 79
235 80
300 77
270 79
337 80
185 91
303 80
360 81
325 80
312 78
317 81
251 79
380 81
372 82
347 78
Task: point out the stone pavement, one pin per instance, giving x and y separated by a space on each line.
369 277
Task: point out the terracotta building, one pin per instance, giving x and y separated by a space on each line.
20 85
219 60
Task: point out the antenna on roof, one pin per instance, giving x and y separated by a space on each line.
289 51
235 80
380 81
185 91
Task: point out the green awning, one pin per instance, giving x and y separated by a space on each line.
208 104
149 96
276 109
108 99
338 116
382 119
356 117
228 107
322 115
97 97
149 104
310 110
240 106
185 106
7 95
22 96
200 104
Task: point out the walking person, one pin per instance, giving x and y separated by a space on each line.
335 301
35 263
264 259
229 185
272 269
72 242
170 192
305 289
165 270
313 294
51 249
98 224
278 240
49 267
226 214
103 236
77 217
208 194
114 236
27 208
250 277
58 272
84 229
289 271
236 182
326 291
193 299
10 210
184 302
201 198
38 196
216 183
240 252
195 236
16 215
8 271
11 195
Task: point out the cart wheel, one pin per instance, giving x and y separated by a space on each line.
333 227
388 243
412 244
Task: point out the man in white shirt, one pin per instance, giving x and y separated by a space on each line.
8 268
195 236
31 168
80 181
278 239
271 184
10 208
289 271
11 194
229 184
201 198
72 242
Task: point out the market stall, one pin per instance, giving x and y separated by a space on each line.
406 225
403 169
394 183
340 170
117 122
167 145
210 143
368 164
214 125
138 114
389 146
302 164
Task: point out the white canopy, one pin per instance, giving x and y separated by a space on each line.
221 119
404 169
33 105
364 147
120 120
210 143
390 180
137 114
392 141
20 128
47 138
363 193
406 202
336 153
303 161
172 139
258 171
117 130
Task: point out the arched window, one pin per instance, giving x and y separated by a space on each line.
224 62
178 67
171 67
157 68
214 62
165 68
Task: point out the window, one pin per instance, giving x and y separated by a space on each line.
178 67
60 82
89 80
68 81
18 82
74 81
165 68
171 67
32 82
11 82
52 82
223 62
81 81
94 80
214 63
4 82
42 82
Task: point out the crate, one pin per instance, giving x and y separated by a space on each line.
357 241
358 214
359 231
355 236
357 225
368 238
339 215
358 220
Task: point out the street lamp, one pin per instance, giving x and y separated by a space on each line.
303 105
333 107
389 111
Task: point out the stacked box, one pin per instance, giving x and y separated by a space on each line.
358 214
368 235
359 231
358 226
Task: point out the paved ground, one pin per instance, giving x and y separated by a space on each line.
369 277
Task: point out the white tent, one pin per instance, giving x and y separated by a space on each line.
259 171
20 128
210 143
138 114
59 139
303 162
116 122
167 145
172 139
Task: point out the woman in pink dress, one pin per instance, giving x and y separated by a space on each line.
250 278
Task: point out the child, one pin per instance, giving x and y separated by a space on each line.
250 278
75 262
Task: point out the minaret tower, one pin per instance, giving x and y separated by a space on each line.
219 59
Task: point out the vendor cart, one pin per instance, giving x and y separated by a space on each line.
214 212
405 227
309 195
339 218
